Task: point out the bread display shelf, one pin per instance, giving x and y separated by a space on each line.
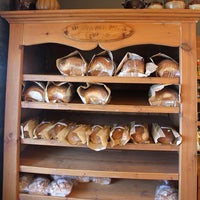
144 107
85 162
118 189
129 146
112 79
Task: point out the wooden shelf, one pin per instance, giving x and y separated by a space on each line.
144 107
129 146
118 189
96 79
86 162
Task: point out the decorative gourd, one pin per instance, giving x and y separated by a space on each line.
47 5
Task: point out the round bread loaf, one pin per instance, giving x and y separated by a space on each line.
34 93
59 94
101 66
73 66
169 136
94 138
133 66
167 68
95 94
140 135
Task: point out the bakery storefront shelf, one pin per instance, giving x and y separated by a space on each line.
85 162
38 38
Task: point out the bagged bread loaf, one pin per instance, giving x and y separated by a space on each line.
34 91
94 93
60 187
167 66
39 186
102 64
59 92
41 131
131 65
74 134
165 135
25 180
119 135
97 137
166 191
72 65
28 127
162 95
139 133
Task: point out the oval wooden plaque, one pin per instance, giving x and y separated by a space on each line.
98 32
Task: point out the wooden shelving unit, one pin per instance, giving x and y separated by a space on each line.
37 38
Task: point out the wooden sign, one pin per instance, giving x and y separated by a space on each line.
98 32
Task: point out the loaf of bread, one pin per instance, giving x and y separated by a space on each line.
163 96
94 94
28 127
119 135
168 68
166 191
41 131
72 65
34 92
163 135
25 180
60 187
131 65
97 137
39 186
77 134
101 66
139 133
59 92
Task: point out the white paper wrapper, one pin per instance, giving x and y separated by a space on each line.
72 65
157 134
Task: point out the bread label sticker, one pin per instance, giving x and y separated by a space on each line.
98 32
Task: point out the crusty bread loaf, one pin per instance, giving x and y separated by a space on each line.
34 93
133 66
141 134
165 97
73 66
101 66
169 136
167 68
94 94
59 93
